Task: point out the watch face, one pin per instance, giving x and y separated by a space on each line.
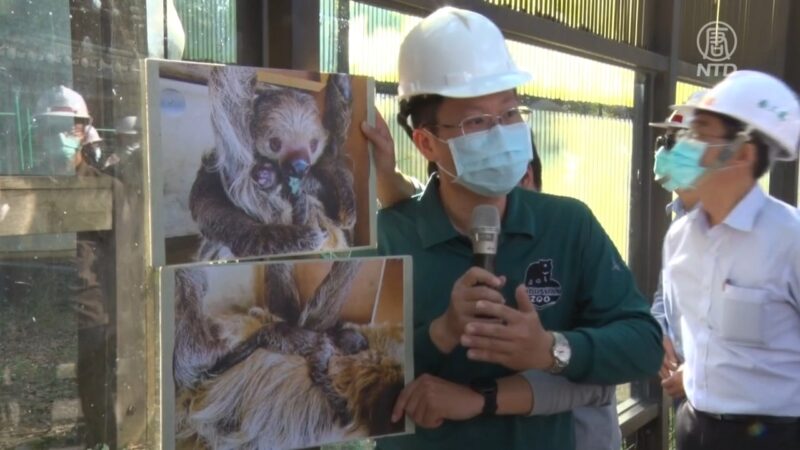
563 353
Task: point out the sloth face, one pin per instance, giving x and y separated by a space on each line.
288 131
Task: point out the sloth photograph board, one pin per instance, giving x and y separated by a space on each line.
247 162
284 354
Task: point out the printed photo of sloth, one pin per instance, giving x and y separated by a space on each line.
247 162
284 354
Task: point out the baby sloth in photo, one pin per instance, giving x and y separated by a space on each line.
247 380
278 180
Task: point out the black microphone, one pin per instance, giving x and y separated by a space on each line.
484 231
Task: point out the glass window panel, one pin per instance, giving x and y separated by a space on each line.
374 38
589 158
77 314
210 30
685 90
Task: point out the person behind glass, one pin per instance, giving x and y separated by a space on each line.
732 267
63 133
126 154
562 300
70 145
664 310
594 407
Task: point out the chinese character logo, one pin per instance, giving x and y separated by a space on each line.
716 41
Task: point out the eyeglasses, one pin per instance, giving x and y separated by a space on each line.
691 134
483 122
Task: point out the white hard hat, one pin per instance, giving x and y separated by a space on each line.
61 101
760 101
456 53
127 125
682 117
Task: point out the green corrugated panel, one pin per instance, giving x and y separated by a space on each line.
560 76
617 20
210 27
685 90
329 35
589 158
375 37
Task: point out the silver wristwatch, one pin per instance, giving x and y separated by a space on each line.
562 352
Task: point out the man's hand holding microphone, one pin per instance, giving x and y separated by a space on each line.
478 318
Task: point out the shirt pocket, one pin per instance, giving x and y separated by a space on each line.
743 315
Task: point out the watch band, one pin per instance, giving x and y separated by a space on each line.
487 387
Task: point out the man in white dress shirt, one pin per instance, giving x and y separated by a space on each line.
664 310
732 266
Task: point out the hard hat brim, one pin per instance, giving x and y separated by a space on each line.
477 87
668 125
62 114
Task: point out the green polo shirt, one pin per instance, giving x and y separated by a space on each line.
575 278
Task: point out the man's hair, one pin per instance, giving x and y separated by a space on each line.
421 109
733 127
536 167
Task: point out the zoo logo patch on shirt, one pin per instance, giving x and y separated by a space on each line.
543 289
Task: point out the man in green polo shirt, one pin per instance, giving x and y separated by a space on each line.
562 299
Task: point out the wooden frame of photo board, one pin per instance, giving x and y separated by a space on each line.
164 167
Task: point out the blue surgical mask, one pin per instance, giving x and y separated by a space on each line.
662 162
681 166
69 144
490 163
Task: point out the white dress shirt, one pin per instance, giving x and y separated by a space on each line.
737 286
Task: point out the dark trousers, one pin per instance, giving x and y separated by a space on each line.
696 430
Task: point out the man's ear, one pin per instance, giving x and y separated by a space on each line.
747 154
424 141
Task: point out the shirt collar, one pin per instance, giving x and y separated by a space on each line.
434 226
744 214
676 206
